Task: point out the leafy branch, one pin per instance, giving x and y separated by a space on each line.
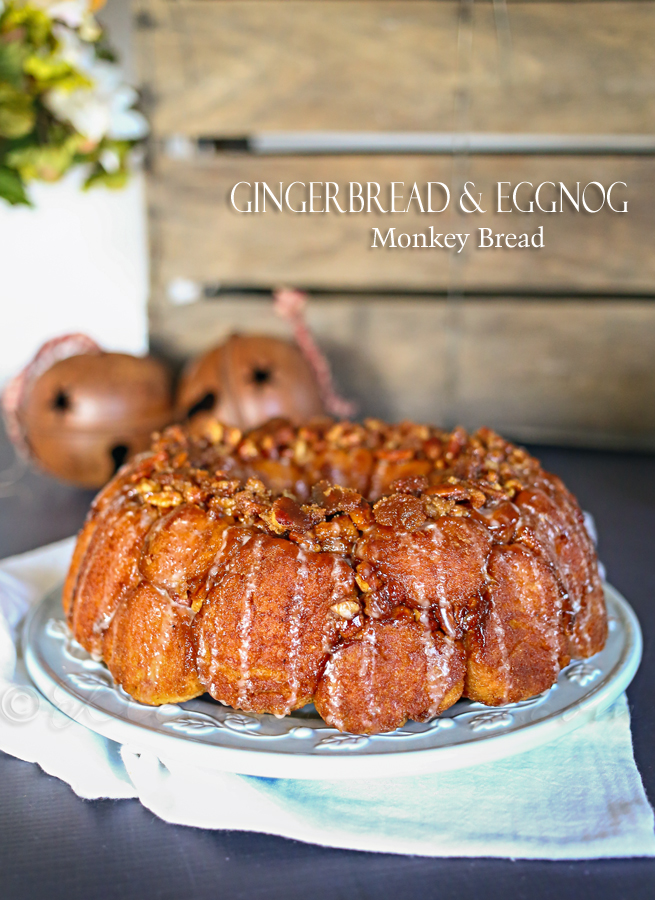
62 103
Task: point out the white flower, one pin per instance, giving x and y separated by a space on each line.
76 50
89 29
102 110
110 161
71 12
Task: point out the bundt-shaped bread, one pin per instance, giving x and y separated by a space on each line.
380 571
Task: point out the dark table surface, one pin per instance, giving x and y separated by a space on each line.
54 845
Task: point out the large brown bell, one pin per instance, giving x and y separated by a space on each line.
83 416
248 380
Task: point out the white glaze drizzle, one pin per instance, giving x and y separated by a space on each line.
210 582
551 630
163 637
98 538
340 584
437 665
328 621
218 559
333 692
586 607
294 628
367 672
244 684
421 556
494 621
580 610
545 627
127 540
445 605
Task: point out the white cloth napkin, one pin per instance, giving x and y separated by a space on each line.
578 798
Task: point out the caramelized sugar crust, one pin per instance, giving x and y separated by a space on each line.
380 571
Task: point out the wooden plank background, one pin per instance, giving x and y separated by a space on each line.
233 68
197 235
565 371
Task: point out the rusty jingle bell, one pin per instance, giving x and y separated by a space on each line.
248 380
86 414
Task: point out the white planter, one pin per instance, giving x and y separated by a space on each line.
77 261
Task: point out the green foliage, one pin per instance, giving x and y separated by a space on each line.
47 162
113 180
12 56
31 24
34 142
17 117
12 187
115 177
48 72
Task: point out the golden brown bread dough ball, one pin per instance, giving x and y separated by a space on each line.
267 625
440 568
519 645
149 648
109 570
391 672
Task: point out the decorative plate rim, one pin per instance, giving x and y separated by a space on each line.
213 736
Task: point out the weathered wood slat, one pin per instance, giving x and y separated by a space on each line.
565 371
197 235
237 68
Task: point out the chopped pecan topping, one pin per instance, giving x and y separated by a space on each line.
513 486
334 498
146 486
449 490
436 506
367 578
248 449
433 448
255 486
362 517
266 479
247 507
346 609
457 442
403 612
287 514
400 511
338 535
195 494
414 484
301 452
395 454
346 435
226 487
165 499
271 441
155 495
457 491
503 521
